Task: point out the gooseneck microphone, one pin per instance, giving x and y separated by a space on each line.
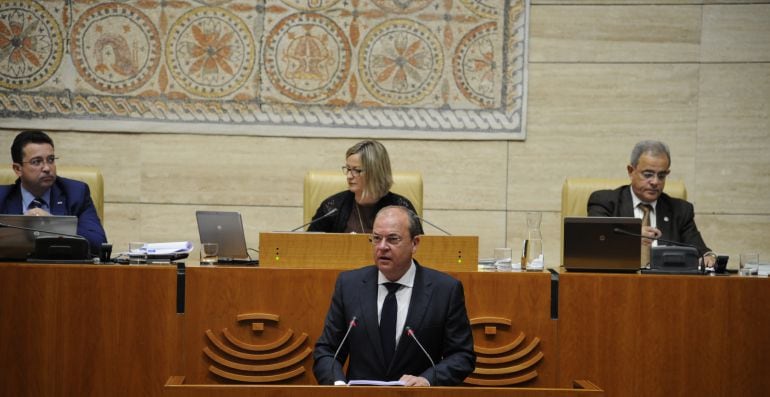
410 332
324 216
342 343
426 221
29 229
618 230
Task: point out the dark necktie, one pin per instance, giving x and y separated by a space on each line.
388 322
37 202
646 208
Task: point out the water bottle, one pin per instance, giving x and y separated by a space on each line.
534 247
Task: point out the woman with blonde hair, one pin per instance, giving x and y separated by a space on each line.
367 168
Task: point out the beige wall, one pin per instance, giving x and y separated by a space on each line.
601 77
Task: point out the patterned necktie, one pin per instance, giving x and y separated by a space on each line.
37 202
646 208
388 322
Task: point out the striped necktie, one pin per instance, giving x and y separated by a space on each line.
37 202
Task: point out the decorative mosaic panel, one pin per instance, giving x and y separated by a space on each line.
387 68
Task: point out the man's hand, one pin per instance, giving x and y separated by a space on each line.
37 212
411 380
651 232
709 260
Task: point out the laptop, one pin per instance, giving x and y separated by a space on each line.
17 244
226 229
592 244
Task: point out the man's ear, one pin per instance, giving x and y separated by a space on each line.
630 169
17 169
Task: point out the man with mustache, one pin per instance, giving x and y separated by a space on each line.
669 218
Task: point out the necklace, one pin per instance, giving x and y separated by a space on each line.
360 220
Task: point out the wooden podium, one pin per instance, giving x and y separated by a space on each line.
350 251
175 387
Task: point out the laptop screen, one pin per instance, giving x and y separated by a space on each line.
591 243
226 229
18 244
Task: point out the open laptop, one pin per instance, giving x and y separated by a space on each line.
17 244
226 229
592 244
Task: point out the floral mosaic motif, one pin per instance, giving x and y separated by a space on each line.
400 62
307 57
475 66
210 52
115 47
403 67
30 45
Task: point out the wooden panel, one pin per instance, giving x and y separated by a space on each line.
217 296
176 387
350 251
87 330
657 335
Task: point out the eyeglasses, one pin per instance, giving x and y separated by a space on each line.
392 239
355 171
661 175
38 161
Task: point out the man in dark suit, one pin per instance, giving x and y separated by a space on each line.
670 218
38 191
424 301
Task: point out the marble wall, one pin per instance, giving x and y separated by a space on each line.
602 76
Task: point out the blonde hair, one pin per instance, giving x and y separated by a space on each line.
376 167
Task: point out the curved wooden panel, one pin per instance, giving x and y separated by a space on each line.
509 370
257 316
501 382
258 378
257 348
257 357
490 320
515 356
501 349
257 368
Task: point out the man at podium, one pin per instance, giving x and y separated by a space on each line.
396 320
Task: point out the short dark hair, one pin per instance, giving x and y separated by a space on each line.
415 227
25 137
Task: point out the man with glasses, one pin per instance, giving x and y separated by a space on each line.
38 191
662 216
379 313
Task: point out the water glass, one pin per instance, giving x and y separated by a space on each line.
503 259
749 265
209 253
137 252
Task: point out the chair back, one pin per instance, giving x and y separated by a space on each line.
320 184
92 176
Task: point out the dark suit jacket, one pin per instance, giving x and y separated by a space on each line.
675 217
68 197
436 314
344 201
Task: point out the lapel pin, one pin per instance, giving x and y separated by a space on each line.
665 219
62 202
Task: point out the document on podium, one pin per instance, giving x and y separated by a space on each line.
364 382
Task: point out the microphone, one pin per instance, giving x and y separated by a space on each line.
410 332
426 221
29 229
324 216
344 338
618 230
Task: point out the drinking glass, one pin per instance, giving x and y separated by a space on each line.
137 252
749 264
209 252
503 259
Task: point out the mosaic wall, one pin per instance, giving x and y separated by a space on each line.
446 68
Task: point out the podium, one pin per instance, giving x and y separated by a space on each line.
175 387
350 251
